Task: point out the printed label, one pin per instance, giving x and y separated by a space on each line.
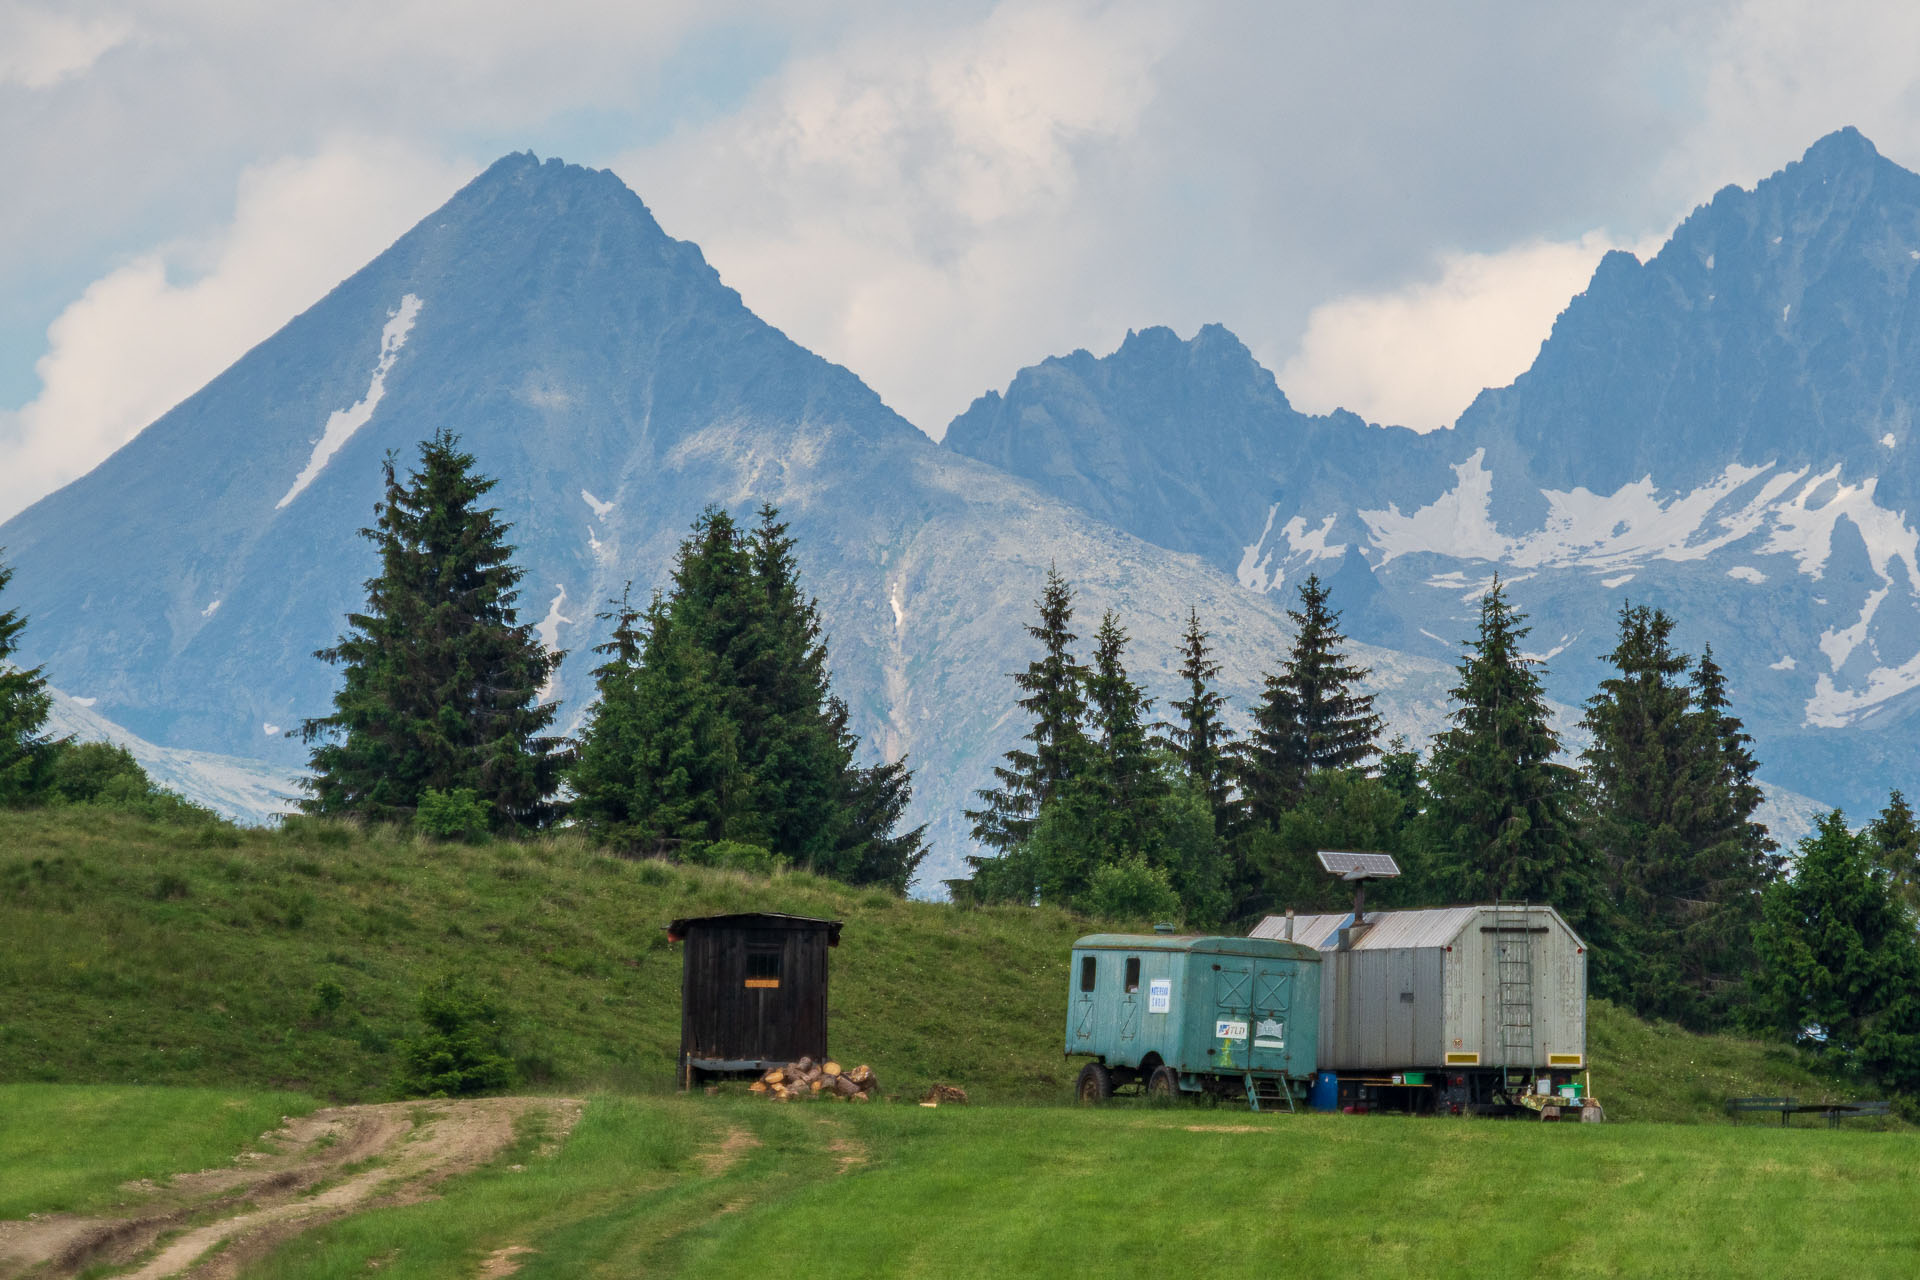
1270 1034
1160 995
1227 1029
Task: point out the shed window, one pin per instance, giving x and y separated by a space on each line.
763 967
1133 974
1089 966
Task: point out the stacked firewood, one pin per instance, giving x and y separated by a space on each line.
806 1079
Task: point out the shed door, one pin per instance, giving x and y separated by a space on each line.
1232 1003
1270 1014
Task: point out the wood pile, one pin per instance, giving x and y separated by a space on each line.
806 1080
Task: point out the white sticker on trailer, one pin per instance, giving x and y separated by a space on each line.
1160 995
1228 1030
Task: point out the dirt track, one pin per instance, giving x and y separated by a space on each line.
308 1172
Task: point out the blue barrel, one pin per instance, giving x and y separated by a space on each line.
1324 1095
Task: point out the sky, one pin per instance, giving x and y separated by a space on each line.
1388 202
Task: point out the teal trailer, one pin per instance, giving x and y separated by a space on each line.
1182 1014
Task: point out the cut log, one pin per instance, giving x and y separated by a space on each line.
775 1076
844 1087
804 1064
758 1086
861 1074
831 1067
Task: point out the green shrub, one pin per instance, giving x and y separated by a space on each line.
732 855
451 815
464 1049
82 770
1130 889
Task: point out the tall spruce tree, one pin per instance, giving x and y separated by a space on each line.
1051 690
1670 806
26 752
1122 773
1311 714
441 682
1896 850
1501 816
716 721
1200 738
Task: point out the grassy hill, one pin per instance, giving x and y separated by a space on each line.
141 952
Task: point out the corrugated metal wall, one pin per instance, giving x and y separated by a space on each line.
1400 999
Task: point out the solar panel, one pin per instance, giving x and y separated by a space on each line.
1360 866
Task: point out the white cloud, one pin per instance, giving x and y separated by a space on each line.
1417 356
917 194
39 47
149 334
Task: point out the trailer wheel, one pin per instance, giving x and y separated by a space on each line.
1095 1085
1163 1085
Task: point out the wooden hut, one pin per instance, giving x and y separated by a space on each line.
753 992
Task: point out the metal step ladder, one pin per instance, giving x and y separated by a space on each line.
1513 959
1264 1093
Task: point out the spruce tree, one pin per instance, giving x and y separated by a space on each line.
1311 714
1201 739
1671 800
1896 850
26 753
716 721
441 682
1122 774
1051 693
1501 816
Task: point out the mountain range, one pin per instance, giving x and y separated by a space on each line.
1721 430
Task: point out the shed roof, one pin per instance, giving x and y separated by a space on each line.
677 929
1430 927
1213 944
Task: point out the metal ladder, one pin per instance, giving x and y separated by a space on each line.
1513 957
1268 1091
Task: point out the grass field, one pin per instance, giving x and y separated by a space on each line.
733 1186
68 1150
141 953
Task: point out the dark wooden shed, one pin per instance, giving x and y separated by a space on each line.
753 991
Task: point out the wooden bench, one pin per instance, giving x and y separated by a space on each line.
1835 1112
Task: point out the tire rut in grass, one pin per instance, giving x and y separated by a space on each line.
323 1166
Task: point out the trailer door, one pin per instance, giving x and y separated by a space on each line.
1232 1002
1270 1015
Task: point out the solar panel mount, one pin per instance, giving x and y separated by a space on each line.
1359 866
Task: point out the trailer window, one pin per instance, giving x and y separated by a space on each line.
1089 966
1133 974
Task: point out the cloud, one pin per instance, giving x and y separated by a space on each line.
39 48
155 330
894 203
1417 356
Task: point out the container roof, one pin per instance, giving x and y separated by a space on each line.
677 929
1389 930
1213 944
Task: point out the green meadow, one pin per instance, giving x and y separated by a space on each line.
735 1186
170 995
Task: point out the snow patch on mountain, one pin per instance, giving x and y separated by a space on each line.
1839 645
600 508
1252 572
344 422
1803 526
1457 523
210 610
